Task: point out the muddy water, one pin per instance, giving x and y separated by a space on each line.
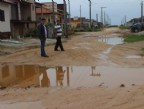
72 76
111 40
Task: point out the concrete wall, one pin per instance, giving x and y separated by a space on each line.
33 13
30 1
5 25
49 6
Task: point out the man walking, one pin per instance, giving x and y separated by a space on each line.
43 33
58 35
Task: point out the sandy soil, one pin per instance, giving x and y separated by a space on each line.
80 50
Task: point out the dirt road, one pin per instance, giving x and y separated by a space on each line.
86 49
82 50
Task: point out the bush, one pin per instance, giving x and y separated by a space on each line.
32 33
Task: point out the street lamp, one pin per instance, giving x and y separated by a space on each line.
102 14
90 12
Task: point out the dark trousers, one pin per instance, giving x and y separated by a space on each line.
59 43
43 41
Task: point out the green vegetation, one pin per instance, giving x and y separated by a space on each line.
32 33
124 27
2 46
133 38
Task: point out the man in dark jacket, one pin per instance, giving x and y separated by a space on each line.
43 34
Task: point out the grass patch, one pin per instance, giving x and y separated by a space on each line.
2 46
133 38
124 27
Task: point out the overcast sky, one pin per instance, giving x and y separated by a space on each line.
116 9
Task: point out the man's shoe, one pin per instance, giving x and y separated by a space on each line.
62 50
44 55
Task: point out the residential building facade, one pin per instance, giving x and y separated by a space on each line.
17 17
5 14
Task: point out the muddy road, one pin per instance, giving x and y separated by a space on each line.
97 70
88 49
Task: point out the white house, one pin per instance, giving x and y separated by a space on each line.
5 14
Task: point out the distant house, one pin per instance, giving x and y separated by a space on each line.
47 12
44 12
76 21
79 22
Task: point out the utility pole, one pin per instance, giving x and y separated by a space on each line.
104 18
65 19
141 11
90 13
69 12
97 17
102 14
80 18
53 13
125 21
53 16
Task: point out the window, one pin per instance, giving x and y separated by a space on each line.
2 15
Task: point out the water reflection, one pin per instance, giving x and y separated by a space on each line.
44 81
60 75
111 40
94 72
23 75
73 76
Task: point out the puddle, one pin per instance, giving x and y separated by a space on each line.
82 44
73 76
111 40
75 47
22 75
134 57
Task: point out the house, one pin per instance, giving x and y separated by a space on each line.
47 12
5 16
17 17
23 17
79 21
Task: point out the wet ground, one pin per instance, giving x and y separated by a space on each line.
73 76
89 74
70 76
